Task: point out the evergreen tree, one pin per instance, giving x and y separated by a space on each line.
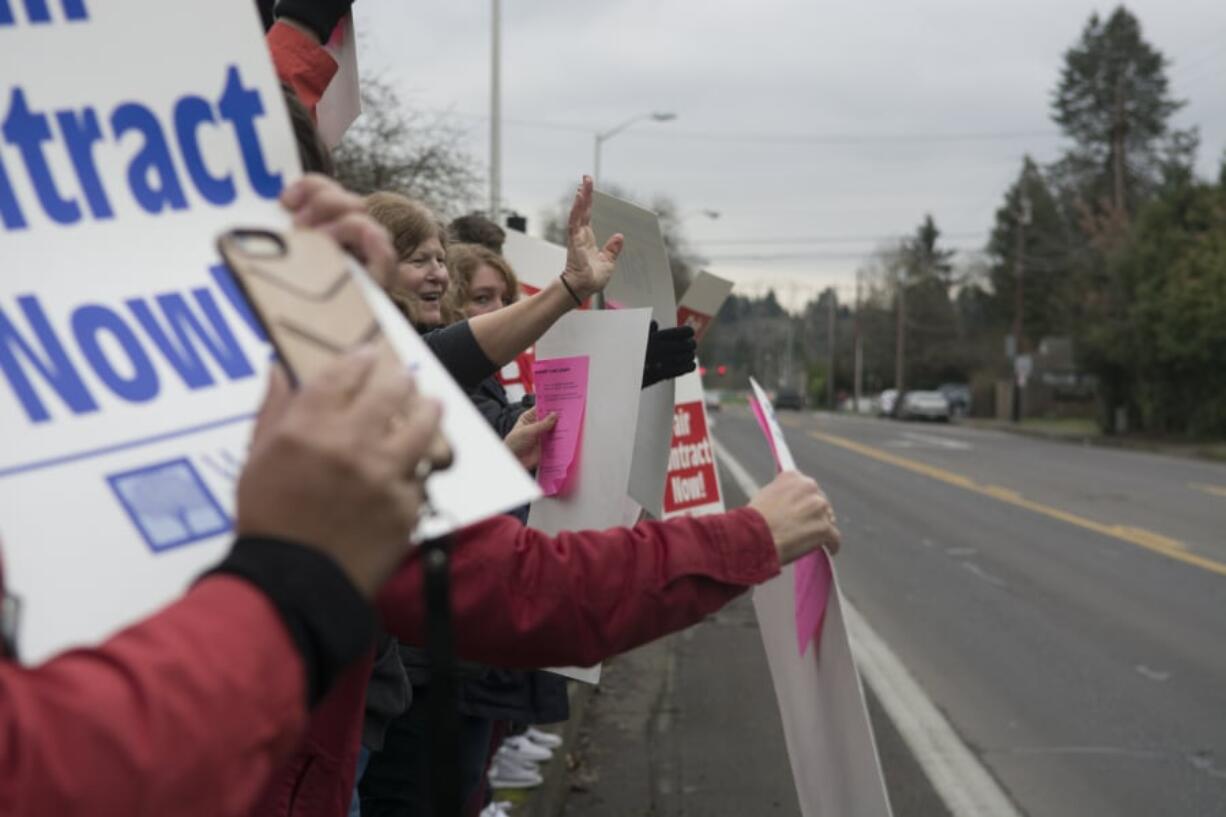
1045 256
1114 102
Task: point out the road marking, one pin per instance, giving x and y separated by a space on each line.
983 574
1153 674
1151 541
960 780
940 442
1212 490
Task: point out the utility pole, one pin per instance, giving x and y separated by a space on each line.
1119 129
857 351
785 378
496 113
830 338
1019 297
900 334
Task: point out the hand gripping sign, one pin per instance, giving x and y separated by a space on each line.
825 723
130 364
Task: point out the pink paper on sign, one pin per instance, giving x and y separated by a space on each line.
813 579
813 574
561 388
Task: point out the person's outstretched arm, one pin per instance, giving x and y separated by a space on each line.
522 599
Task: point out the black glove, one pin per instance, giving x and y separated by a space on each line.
670 353
321 16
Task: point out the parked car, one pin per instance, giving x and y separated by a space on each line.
712 400
924 405
789 399
959 397
885 403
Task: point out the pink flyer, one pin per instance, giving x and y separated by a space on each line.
561 389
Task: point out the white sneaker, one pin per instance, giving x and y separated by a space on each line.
498 808
507 773
514 759
542 738
520 746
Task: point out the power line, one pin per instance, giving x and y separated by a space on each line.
827 239
814 256
776 136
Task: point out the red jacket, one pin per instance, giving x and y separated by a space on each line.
187 713
522 599
192 711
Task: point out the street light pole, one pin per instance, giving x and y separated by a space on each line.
857 350
604 136
496 113
1019 298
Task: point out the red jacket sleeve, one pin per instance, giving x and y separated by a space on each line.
301 63
187 713
525 599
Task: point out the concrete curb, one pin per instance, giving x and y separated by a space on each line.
550 798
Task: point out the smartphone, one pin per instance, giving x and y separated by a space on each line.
301 287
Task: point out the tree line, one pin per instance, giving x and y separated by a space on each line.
1116 253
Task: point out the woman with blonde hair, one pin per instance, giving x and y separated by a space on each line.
481 282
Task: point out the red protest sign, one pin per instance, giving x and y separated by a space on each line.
691 481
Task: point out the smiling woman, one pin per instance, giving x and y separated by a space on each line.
421 243
482 281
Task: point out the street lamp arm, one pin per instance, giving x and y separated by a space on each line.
602 136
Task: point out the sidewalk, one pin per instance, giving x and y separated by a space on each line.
1085 432
548 799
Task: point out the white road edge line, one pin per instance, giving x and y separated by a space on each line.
961 781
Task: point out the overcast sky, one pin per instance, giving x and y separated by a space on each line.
816 130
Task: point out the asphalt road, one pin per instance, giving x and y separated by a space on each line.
1064 607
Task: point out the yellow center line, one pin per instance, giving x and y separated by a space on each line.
1212 490
1154 542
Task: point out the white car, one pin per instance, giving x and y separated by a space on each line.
885 403
924 405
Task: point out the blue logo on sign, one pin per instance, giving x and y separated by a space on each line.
169 504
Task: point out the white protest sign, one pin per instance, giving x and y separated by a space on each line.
830 740
642 279
341 103
702 301
130 365
614 342
536 264
765 413
692 487
825 723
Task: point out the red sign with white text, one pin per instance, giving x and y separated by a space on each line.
691 481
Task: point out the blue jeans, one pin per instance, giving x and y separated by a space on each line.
355 805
